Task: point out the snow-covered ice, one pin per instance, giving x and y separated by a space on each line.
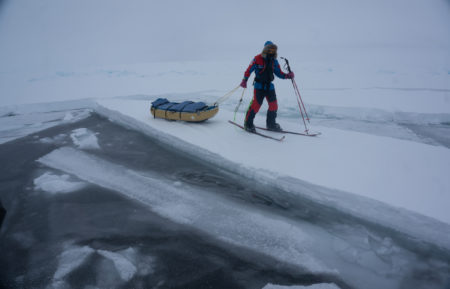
399 173
290 242
386 169
84 139
56 184
375 78
20 121
376 176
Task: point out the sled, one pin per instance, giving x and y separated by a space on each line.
186 111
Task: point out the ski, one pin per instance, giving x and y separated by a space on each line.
258 133
291 132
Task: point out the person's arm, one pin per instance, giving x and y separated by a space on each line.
278 72
250 69
247 73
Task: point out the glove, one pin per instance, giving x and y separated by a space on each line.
291 75
244 83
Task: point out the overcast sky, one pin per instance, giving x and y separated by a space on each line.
60 33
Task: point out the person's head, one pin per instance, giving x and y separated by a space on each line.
270 50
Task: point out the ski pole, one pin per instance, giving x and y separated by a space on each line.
296 89
301 112
239 104
298 96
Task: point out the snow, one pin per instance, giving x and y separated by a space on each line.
363 81
57 184
393 171
17 121
84 138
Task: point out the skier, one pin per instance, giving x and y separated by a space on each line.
264 65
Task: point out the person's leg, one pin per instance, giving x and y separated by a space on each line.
255 105
272 111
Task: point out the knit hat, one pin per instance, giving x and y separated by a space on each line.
268 43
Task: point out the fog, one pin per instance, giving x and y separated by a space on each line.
61 33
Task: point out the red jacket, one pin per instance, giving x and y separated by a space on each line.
258 65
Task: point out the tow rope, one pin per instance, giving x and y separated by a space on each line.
226 96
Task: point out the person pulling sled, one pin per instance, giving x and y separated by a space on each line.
265 65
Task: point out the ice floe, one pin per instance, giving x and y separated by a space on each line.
122 262
70 259
55 184
84 138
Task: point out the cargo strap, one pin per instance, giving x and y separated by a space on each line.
181 109
155 107
167 109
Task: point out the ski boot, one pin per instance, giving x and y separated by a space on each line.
274 127
249 127
270 121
